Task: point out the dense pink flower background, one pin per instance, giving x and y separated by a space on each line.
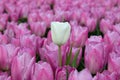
27 51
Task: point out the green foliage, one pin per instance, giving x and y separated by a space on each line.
69 56
22 20
74 63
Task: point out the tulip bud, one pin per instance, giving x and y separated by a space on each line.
49 54
21 30
91 24
112 37
83 75
60 32
42 71
62 73
106 75
21 66
3 21
2 6
29 41
105 25
3 39
4 76
7 53
94 54
33 17
38 28
79 36
117 28
113 62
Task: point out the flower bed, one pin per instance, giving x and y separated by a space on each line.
59 39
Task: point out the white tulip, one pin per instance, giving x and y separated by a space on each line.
60 32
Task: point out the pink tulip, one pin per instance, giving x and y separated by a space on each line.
15 42
24 10
42 71
29 41
9 32
94 54
38 28
79 36
116 28
117 16
112 37
3 39
110 17
7 53
91 24
82 75
59 14
62 73
46 17
107 50
116 47
105 25
113 62
75 15
97 12
4 76
3 21
33 17
106 75
83 18
2 6
21 30
21 66
50 53
11 9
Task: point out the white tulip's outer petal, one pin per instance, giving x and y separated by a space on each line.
53 33
67 33
60 32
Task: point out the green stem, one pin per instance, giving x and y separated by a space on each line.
59 55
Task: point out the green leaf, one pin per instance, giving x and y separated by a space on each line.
69 56
22 20
74 63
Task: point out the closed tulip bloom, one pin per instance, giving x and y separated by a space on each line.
62 72
79 36
33 17
112 37
91 24
12 10
29 41
3 39
21 30
4 76
105 25
2 6
21 66
49 54
82 75
3 21
42 71
94 55
7 53
106 75
60 32
117 28
113 62
38 28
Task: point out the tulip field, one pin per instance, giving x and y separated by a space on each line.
59 39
